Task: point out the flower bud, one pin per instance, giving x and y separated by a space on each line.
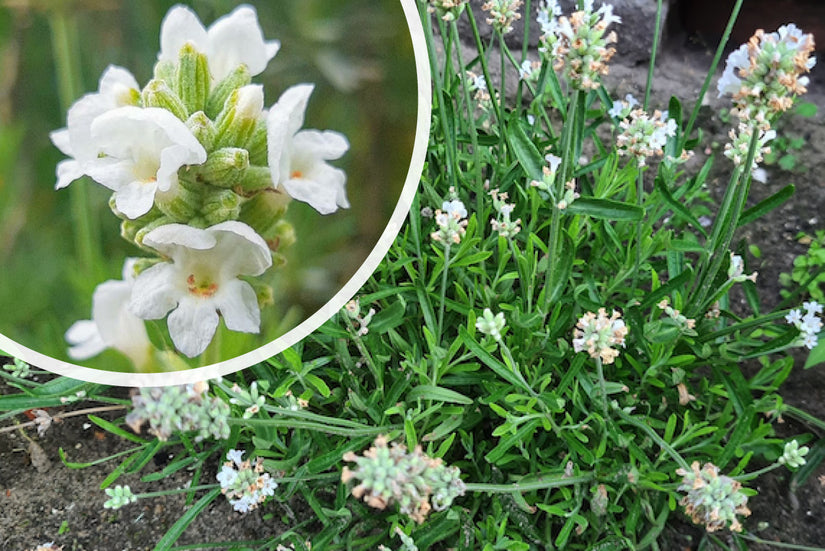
180 203
220 93
193 78
263 212
257 178
158 94
225 167
220 206
203 129
263 292
257 145
239 117
167 72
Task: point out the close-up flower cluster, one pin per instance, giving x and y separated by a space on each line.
599 335
181 408
244 483
201 176
712 500
644 135
578 44
390 475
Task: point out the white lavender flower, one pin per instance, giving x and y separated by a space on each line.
712 499
643 135
245 484
578 44
417 483
792 455
490 324
809 324
765 74
502 14
598 335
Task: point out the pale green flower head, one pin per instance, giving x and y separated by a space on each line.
388 475
712 499
18 368
793 455
490 324
118 497
447 10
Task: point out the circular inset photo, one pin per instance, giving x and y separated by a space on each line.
188 189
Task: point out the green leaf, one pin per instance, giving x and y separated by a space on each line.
806 109
605 209
114 429
441 394
764 207
678 208
388 318
170 537
526 152
817 355
486 358
319 384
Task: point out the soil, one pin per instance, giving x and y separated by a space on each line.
35 505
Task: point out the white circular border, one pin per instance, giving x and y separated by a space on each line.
422 135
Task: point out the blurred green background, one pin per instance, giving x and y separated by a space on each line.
357 52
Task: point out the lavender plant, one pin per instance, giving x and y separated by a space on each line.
549 352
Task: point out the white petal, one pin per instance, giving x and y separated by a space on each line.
116 85
181 25
135 198
239 306
326 145
192 325
118 327
68 171
293 103
60 138
323 190
170 238
237 39
241 250
85 340
155 292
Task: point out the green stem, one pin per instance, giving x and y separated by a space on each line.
471 126
482 59
66 54
725 225
755 474
438 97
716 58
444 274
539 482
653 51
602 386
377 374
654 436
779 544
640 190
178 491
568 151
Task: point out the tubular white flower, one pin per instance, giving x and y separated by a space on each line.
201 280
112 324
297 158
117 88
144 148
230 41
